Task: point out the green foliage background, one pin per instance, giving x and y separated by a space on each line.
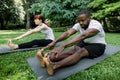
105 8
61 12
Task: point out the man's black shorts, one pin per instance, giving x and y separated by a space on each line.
94 49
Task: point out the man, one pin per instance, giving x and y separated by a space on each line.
90 43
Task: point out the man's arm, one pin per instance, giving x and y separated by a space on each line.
65 35
88 33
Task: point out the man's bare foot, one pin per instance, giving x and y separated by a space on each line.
11 45
39 55
49 66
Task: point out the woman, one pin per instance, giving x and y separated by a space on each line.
42 27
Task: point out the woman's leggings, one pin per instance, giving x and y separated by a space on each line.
34 43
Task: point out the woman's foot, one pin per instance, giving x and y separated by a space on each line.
50 69
11 45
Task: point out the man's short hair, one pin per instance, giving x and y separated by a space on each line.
85 11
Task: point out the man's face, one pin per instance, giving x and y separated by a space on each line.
84 20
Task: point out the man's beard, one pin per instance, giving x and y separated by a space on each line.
84 26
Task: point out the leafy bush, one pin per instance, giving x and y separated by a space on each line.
113 23
61 12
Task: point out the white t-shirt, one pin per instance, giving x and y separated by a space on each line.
98 38
48 32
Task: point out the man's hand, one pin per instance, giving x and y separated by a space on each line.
40 51
58 50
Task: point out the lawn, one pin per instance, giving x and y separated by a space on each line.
14 66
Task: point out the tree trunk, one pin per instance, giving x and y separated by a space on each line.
1 24
26 7
28 20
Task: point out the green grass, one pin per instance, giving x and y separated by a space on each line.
14 66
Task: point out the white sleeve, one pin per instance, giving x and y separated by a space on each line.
76 27
95 25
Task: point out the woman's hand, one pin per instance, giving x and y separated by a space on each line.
17 38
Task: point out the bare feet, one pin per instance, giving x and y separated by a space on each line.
39 55
49 66
11 45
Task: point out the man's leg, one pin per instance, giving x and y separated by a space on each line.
72 59
63 54
53 58
40 57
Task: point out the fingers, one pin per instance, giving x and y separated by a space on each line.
15 39
42 49
46 54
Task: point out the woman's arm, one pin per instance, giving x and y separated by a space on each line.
37 29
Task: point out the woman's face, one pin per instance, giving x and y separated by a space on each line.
37 21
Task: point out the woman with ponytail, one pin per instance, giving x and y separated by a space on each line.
41 27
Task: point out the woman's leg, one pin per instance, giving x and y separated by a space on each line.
39 43
12 45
